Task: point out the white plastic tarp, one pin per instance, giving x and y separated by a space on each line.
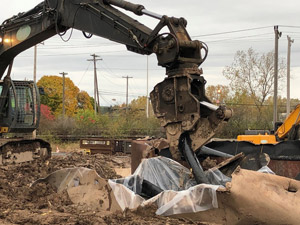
179 195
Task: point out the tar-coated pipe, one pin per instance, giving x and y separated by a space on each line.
149 189
222 111
210 151
209 105
191 158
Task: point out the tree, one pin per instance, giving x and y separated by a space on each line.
134 121
53 94
46 120
254 74
84 100
217 93
46 112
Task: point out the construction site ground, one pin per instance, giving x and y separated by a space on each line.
41 204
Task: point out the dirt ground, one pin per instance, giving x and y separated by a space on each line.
22 204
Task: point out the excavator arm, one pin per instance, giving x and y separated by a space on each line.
99 18
289 128
179 101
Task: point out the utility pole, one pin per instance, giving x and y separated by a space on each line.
147 94
96 91
34 76
288 104
35 62
63 98
127 77
34 79
277 36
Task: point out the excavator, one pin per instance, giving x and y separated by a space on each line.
287 130
179 101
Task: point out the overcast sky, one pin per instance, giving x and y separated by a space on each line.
210 21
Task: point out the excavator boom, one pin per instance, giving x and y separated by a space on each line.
179 101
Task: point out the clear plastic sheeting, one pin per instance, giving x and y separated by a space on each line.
160 171
179 195
125 197
67 178
84 187
198 198
217 177
165 173
133 183
265 169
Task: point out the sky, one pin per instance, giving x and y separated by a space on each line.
225 26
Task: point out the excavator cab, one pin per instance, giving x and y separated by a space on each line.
21 107
20 113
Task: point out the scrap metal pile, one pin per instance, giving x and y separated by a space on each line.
74 189
242 188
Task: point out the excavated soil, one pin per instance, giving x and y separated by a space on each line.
22 204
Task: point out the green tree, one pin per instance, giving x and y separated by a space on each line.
134 122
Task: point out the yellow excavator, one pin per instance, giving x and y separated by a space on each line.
288 130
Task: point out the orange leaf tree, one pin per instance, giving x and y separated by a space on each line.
53 87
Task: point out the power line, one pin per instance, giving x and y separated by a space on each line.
76 54
120 95
230 32
103 92
110 81
109 69
289 26
84 74
58 46
253 105
235 38
105 100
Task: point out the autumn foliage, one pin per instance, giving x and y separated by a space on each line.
46 112
74 98
80 118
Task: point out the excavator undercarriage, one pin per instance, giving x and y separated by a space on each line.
18 150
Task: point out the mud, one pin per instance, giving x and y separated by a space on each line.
41 204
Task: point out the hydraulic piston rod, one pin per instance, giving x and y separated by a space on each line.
135 8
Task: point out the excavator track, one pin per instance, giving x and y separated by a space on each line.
17 150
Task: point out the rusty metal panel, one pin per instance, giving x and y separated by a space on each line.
286 168
141 149
98 145
138 152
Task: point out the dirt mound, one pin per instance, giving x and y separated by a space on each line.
41 204
144 215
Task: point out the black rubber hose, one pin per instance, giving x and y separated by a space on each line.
150 190
190 157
